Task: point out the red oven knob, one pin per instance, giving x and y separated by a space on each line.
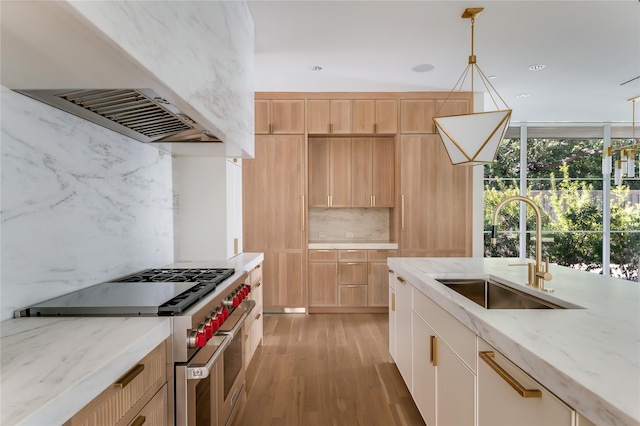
244 291
197 339
225 313
248 287
236 301
208 328
241 295
215 323
220 315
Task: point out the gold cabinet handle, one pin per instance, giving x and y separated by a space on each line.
353 251
393 302
487 356
402 214
401 280
370 200
270 128
246 336
322 251
139 421
433 352
330 127
258 285
123 381
374 201
390 271
353 263
352 286
375 127
258 316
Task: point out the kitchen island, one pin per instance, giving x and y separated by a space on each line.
587 355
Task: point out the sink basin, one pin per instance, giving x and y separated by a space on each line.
492 295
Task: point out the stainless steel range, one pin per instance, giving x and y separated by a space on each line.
207 308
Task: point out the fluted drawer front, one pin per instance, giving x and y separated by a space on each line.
118 404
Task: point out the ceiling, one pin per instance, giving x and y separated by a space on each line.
589 49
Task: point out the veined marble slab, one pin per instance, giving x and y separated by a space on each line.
345 245
52 367
243 262
589 357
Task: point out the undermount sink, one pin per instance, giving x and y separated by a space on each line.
492 295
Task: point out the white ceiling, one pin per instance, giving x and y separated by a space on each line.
589 48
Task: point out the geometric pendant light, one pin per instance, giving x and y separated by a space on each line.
473 139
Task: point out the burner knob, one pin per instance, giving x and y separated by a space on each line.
236 301
228 302
225 313
240 296
244 292
220 316
248 287
215 323
197 339
208 328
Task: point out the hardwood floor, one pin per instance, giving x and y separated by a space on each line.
325 369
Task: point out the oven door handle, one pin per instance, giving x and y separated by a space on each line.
200 371
248 307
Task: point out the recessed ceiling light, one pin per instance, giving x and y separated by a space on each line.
316 68
537 67
423 67
522 95
492 77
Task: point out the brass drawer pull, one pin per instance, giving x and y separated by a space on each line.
393 302
322 251
353 263
258 317
488 356
433 353
139 421
401 280
353 251
246 336
353 286
258 285
123 381
391 271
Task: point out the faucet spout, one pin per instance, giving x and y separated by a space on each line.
540 274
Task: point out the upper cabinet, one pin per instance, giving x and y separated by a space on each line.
329 172
329 116
378 116
372 168
280 116
417 115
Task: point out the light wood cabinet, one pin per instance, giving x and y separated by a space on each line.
329 172
352 278
253 327
140 393
378 116
323 278
372 165
279 116
416 115
500 404
274 188
329 116
352 295
436 200
378 292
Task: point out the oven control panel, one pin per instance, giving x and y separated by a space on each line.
205 330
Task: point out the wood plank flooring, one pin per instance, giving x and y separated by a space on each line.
325 370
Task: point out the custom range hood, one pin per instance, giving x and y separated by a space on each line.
140 114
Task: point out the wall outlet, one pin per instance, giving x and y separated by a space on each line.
322 234
349 234
375 235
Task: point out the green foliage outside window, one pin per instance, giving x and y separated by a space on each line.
571 208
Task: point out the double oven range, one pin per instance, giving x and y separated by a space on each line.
207 307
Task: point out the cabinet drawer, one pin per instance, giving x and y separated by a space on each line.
255 275
155 412
352 295
323 255
352 255
453 332
381 255
353 273
256 295
119 403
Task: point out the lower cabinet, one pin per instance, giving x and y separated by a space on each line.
404 330
253 327
139 396
392 314
508 396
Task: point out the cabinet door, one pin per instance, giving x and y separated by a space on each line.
424 371
340 117
262 117
352 273
364 116
378 292
386 116
362 169
403 330
436 200
452 107
287 116
416 116
323 284
283 282
319 169
455 387
319 116
352 295
340 174
500 404
383 172
392 315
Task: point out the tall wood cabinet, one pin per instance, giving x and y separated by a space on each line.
274 217
435 200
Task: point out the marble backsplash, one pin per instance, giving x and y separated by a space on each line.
80 204
358 224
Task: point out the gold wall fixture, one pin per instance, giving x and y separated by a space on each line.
624 157
473 139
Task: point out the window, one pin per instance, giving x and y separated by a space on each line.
564 177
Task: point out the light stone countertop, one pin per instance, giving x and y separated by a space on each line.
353 245
589 357
51 367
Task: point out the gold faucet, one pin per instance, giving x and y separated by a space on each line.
537 274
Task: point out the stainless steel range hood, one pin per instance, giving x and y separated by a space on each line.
141 114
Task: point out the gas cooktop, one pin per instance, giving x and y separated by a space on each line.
152 292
